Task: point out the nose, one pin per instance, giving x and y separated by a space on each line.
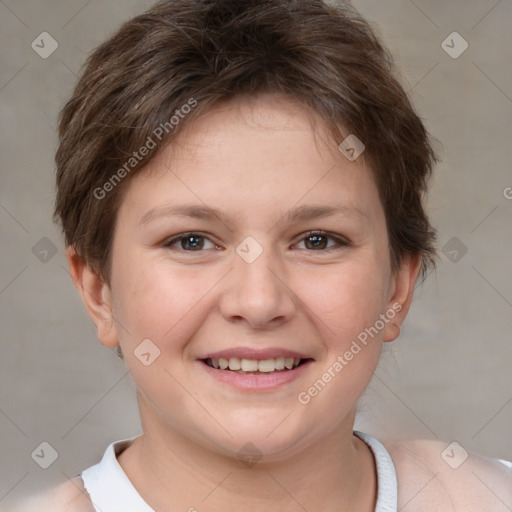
257 293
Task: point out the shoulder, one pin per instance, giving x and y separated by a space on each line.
447 477
69 496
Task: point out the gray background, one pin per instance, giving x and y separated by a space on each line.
448 375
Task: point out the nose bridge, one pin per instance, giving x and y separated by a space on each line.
257 292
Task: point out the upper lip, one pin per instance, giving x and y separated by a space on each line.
254 353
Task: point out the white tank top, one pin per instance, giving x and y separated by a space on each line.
111 490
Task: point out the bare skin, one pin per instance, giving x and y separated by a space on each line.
255 163
425 483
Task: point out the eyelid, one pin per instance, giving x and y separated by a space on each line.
171 241
339 240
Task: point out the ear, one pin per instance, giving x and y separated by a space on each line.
97 297
401 293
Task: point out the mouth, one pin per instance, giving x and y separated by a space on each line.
243 366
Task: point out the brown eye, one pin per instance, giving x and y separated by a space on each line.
320 242
189 242
192 242
316 242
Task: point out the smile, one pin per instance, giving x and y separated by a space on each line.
263 374
254 366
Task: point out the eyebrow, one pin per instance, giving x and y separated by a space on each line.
301 213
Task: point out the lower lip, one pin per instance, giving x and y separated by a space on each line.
261 382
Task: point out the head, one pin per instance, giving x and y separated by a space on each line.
237 110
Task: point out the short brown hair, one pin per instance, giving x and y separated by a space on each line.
326 57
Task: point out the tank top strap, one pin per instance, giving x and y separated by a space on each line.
387 483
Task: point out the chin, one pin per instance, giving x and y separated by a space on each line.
266 440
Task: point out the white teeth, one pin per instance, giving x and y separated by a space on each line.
234 363
255 365
249 365
266 365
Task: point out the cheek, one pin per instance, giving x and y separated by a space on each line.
156 301
348 306
346 300
357 299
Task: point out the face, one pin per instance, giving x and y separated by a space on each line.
252 243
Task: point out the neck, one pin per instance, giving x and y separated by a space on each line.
166 466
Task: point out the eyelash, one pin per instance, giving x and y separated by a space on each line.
340 242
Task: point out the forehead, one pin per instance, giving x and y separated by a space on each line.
265 152
271 119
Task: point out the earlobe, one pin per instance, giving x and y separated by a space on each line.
96 296
402 290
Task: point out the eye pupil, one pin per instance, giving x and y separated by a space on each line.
318 241
196 243
190 240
